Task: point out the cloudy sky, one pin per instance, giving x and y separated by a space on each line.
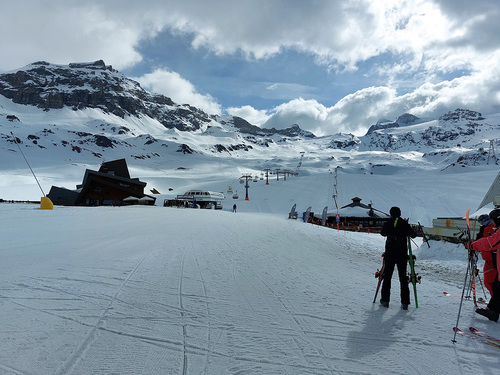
328 65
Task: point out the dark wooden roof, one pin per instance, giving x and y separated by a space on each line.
117 167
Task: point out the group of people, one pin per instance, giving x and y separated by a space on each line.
487 243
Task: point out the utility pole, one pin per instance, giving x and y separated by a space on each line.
277 174
246 177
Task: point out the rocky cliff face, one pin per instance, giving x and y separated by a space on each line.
403 120
95 85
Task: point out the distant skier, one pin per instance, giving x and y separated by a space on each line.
396 254
234 208
491 245
489 270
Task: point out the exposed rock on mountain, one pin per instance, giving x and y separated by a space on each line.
95 85
456 128
125 120
403 120
462 115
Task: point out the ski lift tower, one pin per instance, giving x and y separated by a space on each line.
491 152
285 172
267 170
277 174
334 196
246 177
300 161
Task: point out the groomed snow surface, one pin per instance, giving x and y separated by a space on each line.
153 290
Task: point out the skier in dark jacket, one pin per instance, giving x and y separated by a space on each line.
396 254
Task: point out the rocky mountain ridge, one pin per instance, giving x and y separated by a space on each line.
115 116
97 85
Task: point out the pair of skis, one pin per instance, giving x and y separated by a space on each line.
470 275
479 336
413 277
380 275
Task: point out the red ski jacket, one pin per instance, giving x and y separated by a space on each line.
486 232
488 244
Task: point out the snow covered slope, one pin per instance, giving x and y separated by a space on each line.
182 291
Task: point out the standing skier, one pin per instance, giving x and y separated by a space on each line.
396 254
489 269
491 245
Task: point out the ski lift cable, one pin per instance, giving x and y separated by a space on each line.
25 159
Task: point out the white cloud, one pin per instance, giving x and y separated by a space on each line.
308 114
339 34
64 32
252 115
478 91
350 114
357 111
180 90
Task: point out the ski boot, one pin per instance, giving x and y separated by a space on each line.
490 314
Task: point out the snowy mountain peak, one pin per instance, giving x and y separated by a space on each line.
407 119
403 120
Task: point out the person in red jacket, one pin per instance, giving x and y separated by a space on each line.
489 270
490 245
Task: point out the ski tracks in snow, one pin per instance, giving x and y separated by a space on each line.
81 349
183 311
160 322
221 293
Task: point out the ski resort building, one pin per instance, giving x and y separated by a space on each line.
110 185
356 216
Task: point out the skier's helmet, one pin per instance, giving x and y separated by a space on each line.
395 212
495 216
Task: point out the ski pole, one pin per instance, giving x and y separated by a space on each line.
466 275
461 301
